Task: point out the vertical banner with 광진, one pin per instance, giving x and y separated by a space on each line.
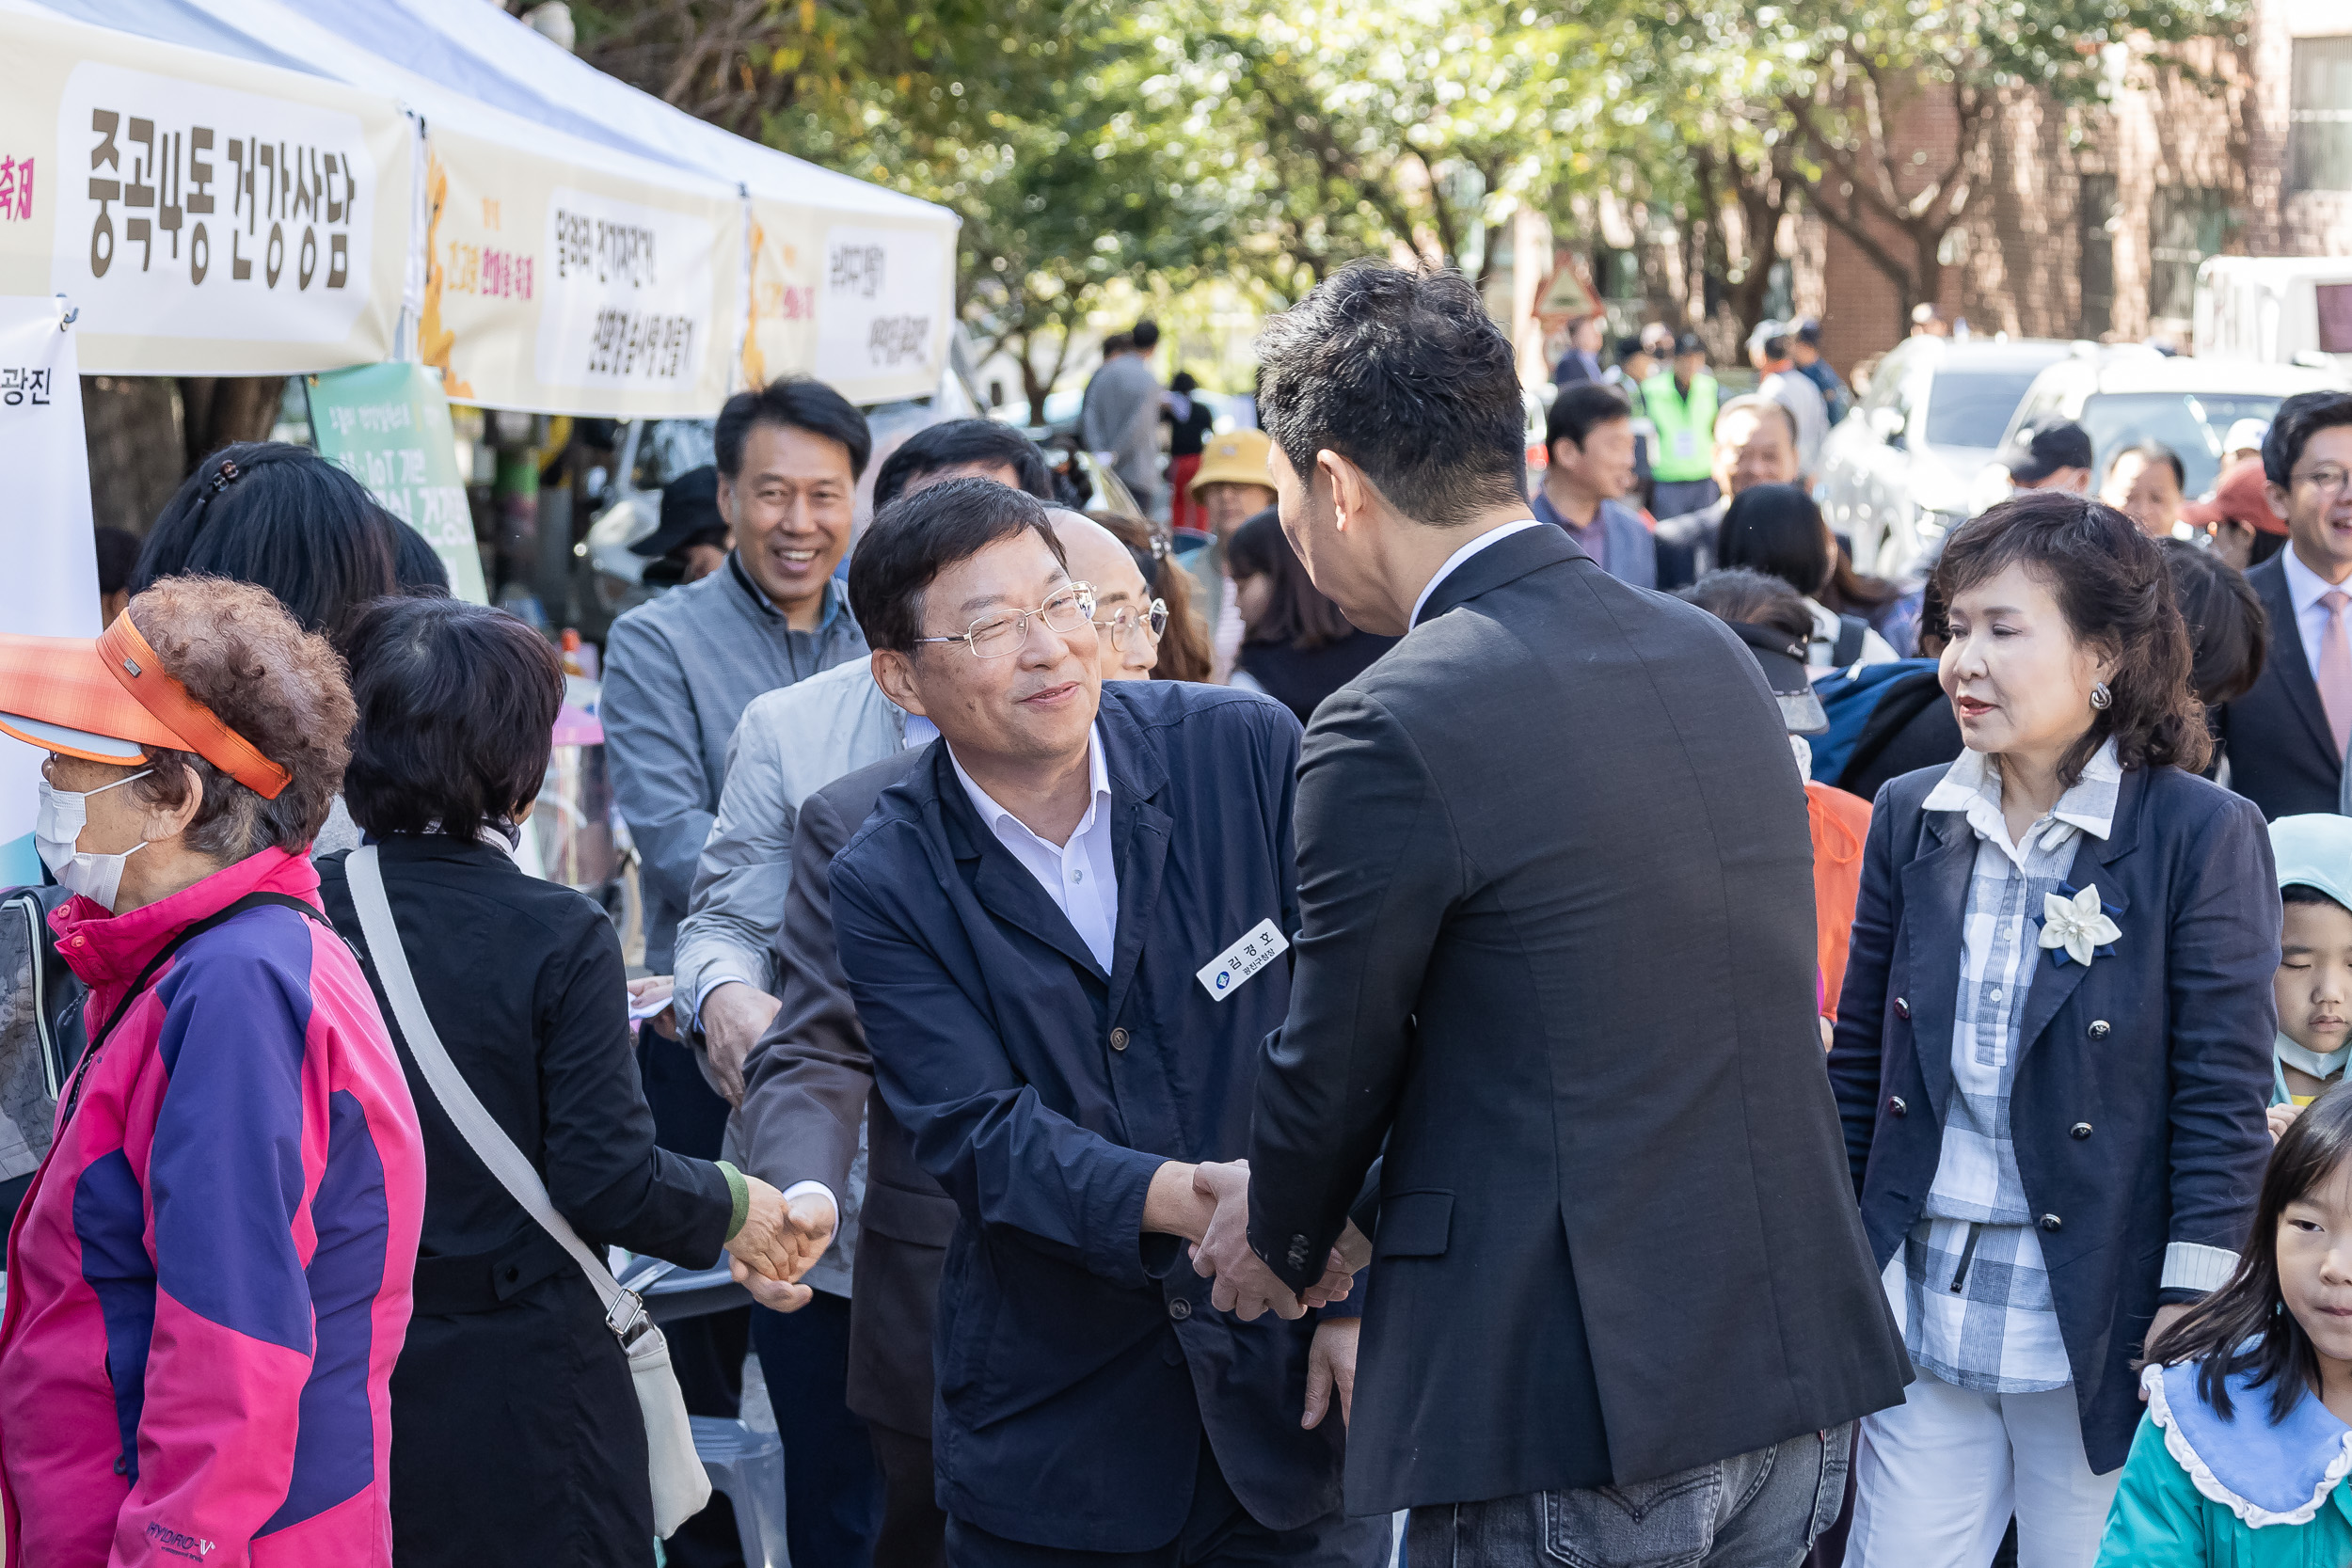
45 534
390 426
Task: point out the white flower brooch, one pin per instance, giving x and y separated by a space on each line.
2075 925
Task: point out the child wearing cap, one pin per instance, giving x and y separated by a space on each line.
2313 984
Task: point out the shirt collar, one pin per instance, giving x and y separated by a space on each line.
996 816
1492 536
2305 586
1972 786
767 607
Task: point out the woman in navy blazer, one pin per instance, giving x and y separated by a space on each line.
2051 1054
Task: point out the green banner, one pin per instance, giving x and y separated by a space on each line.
389 424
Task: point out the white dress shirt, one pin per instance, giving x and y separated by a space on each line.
2304 587
1492 536
1080 876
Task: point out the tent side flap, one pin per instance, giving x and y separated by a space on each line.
208 217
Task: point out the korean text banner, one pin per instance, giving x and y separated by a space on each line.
390 426
561 287
863 302
207 216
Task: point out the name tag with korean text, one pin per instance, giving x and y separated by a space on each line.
1221 976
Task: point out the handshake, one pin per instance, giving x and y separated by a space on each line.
1246 1287
780 1241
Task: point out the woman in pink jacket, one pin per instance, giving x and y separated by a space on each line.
208 1283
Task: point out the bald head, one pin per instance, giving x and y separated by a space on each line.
1096 556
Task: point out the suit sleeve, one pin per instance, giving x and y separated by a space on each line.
603 1172
658 776
234 1334
2224 952
1020 1171
1856 1069
1379 867
729 931
808 1078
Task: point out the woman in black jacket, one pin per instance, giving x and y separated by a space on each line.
1298 648
516 1432
2053 1048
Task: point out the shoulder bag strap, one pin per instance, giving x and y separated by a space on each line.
624 1312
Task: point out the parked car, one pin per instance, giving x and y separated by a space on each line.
1896 473
2282 310
2125 396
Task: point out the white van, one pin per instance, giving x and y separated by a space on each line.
2276 309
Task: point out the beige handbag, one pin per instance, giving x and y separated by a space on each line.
680 1484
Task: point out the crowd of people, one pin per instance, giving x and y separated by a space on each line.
1737 1061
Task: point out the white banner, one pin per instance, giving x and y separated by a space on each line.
881 310
628 293
45 535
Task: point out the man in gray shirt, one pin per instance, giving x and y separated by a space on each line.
1123 416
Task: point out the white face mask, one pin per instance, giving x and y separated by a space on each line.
57 828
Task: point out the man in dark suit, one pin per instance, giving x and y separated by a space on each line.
2285 740
1062 931
1615 1243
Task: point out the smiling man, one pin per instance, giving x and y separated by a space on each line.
1063 932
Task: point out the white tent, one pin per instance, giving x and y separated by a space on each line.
569 245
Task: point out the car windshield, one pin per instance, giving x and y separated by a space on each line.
1971 408
2193 424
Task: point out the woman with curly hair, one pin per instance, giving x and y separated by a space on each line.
209 1278
2053 1048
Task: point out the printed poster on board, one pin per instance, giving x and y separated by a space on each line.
207 215
390 426
864 305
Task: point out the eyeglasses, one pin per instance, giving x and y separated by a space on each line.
1066 610
1127 622
2328 481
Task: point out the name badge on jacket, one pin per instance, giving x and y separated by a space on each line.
1223 974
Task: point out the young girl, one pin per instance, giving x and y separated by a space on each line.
2243 1455
2313 984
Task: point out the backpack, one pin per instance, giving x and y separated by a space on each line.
1850 696
41 1035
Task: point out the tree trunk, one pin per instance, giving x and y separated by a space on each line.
221 410
131 426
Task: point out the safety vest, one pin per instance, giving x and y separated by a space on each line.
1686 428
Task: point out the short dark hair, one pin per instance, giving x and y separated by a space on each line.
457 706
1626 348
1746 597
117 555
956 442
800 402
916 537
281 517
1146 335
417 566
1777 346
1581 408
2303 893
1777 530
2151 452
2228 631
1406 375
1298 614
2111 584
2298 418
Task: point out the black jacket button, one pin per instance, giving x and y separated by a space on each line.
1896 1105
1180 1310
1903 1009
2051 1222
1119 1040
2098 1028
2080 1130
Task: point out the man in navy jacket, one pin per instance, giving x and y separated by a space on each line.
1065 933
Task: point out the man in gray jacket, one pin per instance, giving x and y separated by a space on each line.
1121 415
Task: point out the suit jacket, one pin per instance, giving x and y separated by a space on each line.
1614 1236
2282 755
1685 546
807 1084
2141 1080
1079 1362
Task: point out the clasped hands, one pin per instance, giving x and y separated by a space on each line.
779 1243
1246 1287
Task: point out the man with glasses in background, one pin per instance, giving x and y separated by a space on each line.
851 1359
2285 740
1063 932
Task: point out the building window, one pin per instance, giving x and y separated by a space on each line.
2094 214
2319 132
2185 228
